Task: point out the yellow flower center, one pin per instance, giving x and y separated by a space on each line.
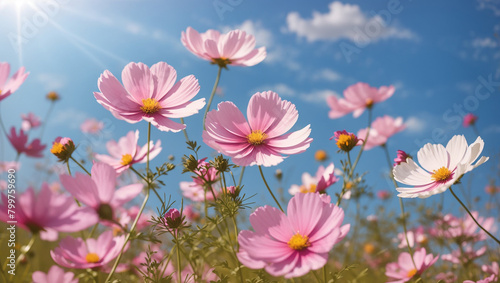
256 137
320 155
442 174
369 248
150 106
52 96
310 189
222 62
0 92
369 103
57 148
126 159
92 258
412 273
346 142
299 242
349 185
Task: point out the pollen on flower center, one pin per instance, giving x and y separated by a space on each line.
150 106
412 273
346 142
369 103
256 137
92 258
222 62
310 189
57 148
126 159
299 242
442 174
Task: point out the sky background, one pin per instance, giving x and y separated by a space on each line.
439 55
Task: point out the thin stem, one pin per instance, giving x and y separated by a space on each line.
269 189
212 96
184 130
145 180
241 176
69 170
46 119
25 249
178 252
81 166
401 205
470 214
324 274
364 142
474 128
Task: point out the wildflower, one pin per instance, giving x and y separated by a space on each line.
401 157
55 274
491 189
196 192
48 213
62 148
468 254
149 94
8 87
53 96
418 235
346 141
463 229
294 244
234 48
381 130
324 178
5 166
261 140
30 121
19 142
469 120
206 174
374 139
383 194
369 248
442 167
357 98
173 219
190 213
90 253
403 270
91 126
447 277
126 152
320 155
98 191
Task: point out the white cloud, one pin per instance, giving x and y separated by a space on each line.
318 96
493 5
70 117
327 75
284 90
486 42
263 37
50 81
415 125
344 21
493 129
280 88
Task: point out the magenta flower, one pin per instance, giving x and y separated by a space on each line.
91 126
383 194
98 191
206 174
464 255
356 99
324 178
294 244
235 48
91 253
62 148
404 270
8 87
469 120
173 218
126 152
401 157
261 140
34 149
149 94
30 121
48 213
55 274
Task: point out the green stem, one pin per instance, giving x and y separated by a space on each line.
212 96
269 189
81 166
324 274
25 249
241 176
179 276
470 214
184 131
145 180
364 142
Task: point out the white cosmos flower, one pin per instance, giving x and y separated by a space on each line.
441 167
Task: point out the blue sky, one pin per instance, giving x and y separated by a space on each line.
440 56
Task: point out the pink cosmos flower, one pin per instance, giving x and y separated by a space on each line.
441 167
463 229
55 274
346 141
401 157
469 120
261 140
324 178
381 130
91 253
205 174
91 126
190 213
491 269
468 254
149 94
8 87
235 48
294 244
30 121
404 270
5 166
196 192
490 279
34 149
356 99
447 277
418 235
98 191
126 217
48 213
126 152
383 194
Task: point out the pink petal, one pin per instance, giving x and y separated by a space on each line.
138 81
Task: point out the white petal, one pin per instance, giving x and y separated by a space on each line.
410 173
432 157
457 148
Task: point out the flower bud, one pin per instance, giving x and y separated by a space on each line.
62 148
173 219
